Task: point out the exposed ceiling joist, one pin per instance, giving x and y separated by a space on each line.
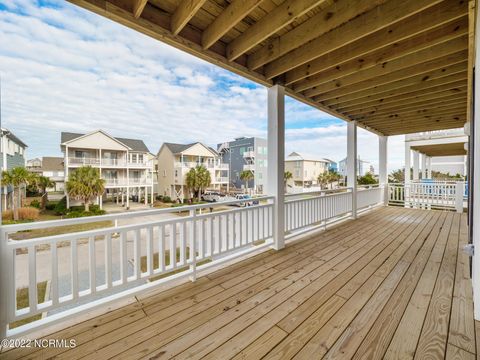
184 12
280 17
437 15
329 18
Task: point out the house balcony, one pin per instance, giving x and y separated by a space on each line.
249 154
143 181
109 163
249 167
370 287
220 180
187 165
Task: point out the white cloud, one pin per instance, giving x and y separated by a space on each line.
66 69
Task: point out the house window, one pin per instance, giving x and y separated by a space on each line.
242 150
176 173
81 154
140 158
134 158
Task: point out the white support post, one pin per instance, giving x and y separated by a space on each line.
474 189
352 163
429 167
128 198
459 191
408 165
66 164
276 160
416 163
146 195
382 166
424 166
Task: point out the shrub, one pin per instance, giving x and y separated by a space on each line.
35 203
167 199
77 214
7 215
61 207
51 205
159 198
28 213
24 213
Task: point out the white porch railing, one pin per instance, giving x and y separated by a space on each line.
432 195
111 263
90 268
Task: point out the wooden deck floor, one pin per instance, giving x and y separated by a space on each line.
393 284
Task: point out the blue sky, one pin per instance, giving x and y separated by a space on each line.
66 69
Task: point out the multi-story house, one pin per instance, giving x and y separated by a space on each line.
363 167
51 167
246 154
305 171
125 164
12 151
175 160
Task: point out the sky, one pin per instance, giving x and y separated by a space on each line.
64 68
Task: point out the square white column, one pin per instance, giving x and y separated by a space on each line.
382 166
424 166
407 163
352 163
276 161
416 165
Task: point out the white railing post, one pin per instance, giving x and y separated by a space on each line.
382 166
459 190
4 285
352 163
276 161
193 245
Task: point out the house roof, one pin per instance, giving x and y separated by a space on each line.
52 163
14 138
134 144
294 156
178 148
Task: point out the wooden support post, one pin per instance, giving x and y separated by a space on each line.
276 160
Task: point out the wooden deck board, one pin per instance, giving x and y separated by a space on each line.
392 284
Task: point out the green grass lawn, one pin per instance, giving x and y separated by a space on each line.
22 302
58 230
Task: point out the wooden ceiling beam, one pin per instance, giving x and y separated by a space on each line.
435 57
228 18
454 80
281 16
433 114
329 18
421 123
384 88
414 129
326 57
363 25
389 108
385 54
408 98
184 12
138 6
412 109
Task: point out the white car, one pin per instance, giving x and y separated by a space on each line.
212 196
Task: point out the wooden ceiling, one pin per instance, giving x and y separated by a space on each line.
396 67
442 149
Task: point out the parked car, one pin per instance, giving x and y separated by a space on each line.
213 196
243 197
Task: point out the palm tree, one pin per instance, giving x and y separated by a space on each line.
197 180
323 179
287 176
85 184
17 178
333 176
246 176
43 183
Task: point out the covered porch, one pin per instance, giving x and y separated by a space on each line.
378 282
393 284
